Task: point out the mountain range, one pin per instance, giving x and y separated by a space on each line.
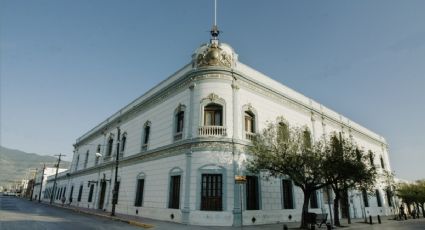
15 164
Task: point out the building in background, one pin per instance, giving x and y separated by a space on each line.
180 146
41 180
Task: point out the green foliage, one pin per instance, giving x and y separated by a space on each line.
281 151
412 192
347 167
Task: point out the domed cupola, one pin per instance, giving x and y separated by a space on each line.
214 53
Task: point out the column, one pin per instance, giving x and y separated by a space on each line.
235 110
186 202
191 111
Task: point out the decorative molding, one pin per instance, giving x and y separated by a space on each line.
214 55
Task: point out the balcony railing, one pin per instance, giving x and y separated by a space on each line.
212 130
249 136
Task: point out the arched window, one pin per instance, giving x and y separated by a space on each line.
110 146
146 134
307 138
86 160
212 118
213 115
282 131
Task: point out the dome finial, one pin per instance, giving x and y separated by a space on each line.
214 31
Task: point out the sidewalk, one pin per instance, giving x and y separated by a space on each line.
147 223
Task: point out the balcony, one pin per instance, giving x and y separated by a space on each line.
250 136
212 130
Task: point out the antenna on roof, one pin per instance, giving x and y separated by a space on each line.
214 31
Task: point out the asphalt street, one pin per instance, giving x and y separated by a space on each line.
17 214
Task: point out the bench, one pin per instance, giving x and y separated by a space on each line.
317 219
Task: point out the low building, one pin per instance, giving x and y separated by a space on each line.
41 181
179 143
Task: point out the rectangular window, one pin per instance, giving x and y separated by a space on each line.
365 198
139 192
211 192
147 131
288 196
378 198
389 197
313 200
86 160
252 198
91 193
80 192
382 163
64 192
174 197
327 194
58 194
180 122
71 193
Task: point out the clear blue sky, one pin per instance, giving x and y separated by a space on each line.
67 65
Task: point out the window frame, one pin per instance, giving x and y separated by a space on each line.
213 185
287 202
215 109
147 133
174 193
252 204
86 159
90 197
140 192
80 193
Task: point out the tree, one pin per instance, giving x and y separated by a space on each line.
289 152
412 193
345 168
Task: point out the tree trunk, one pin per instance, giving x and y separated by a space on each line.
336 209
409 209
305 209
347 206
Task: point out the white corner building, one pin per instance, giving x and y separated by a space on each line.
180 146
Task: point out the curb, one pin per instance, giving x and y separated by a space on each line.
130 222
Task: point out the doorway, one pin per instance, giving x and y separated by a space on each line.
102 194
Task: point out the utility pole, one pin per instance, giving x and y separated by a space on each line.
115 192
33 184
56 176
41 183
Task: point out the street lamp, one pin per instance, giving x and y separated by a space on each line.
240 180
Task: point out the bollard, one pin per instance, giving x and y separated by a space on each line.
370 219
379 219
285 227
328 226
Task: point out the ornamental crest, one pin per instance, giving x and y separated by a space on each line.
214 56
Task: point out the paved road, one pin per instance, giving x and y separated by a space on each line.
18 214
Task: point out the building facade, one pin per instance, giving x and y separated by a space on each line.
181 144
41 176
